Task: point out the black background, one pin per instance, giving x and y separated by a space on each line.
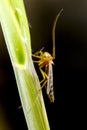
70 68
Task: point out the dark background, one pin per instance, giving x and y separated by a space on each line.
70 70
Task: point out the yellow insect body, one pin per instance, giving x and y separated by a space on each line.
45 61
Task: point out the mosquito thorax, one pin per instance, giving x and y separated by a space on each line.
47 55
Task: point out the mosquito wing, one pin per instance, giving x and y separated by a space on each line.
49 88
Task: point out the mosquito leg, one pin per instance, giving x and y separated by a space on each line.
35 61
42 81
36 56
43 74
39 52
43 84
53 31
45 79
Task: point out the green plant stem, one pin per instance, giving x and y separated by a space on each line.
15 29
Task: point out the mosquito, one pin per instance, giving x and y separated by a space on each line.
45 62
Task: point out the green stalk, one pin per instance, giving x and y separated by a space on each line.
17 36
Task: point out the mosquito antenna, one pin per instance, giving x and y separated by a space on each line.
53 32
